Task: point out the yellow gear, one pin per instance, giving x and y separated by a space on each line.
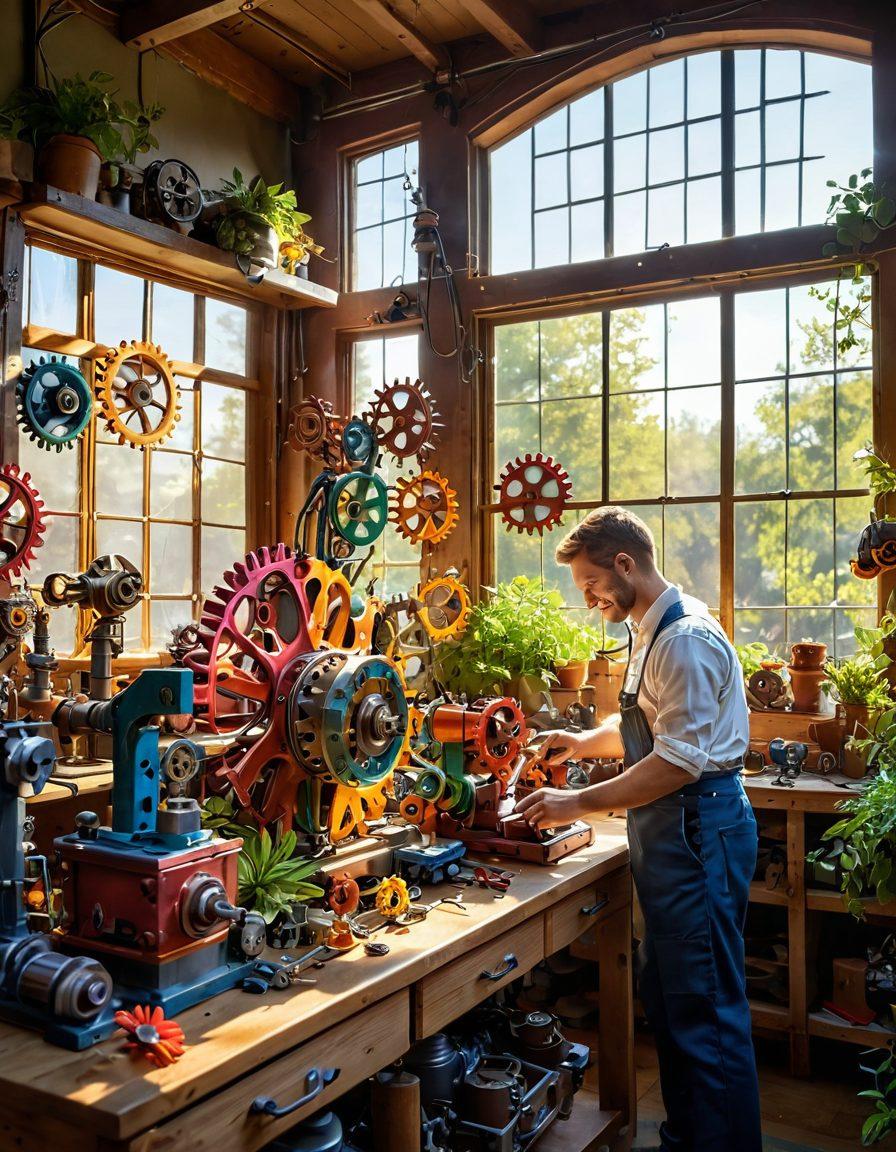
137 393
444 608
392 898
424 507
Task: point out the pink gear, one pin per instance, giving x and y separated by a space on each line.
21 524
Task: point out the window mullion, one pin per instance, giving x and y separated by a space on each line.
728 464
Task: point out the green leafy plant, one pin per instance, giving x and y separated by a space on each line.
221 816
521 629
880 474
78 107
255 206
882 1120
858 679
271 878
871 641
860 211
752 656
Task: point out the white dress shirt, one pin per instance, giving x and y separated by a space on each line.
692 692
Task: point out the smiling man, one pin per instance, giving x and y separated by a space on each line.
682 729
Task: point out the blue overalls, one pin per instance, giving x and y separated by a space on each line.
693 854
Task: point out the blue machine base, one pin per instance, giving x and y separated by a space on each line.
174 999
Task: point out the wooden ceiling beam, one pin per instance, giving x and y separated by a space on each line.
298 40
511 22
434 56
155 22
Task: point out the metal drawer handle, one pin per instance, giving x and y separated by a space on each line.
315 1081
509 963
593 909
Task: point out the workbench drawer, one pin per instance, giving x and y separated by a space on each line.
225 1122
455 988
568 919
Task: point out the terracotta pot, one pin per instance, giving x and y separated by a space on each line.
828 734
606 677
70 163
805 683
858 721
572 676
808 656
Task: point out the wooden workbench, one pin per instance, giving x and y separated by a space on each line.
362 1013
803 903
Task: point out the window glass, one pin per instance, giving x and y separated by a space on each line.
383 214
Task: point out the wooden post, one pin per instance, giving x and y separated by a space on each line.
12 292
616 1040
796 942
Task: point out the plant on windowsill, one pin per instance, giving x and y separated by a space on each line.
860 211
256 219
74 126
117 175
859 684
575 647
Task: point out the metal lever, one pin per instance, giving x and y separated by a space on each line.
593 909
315 1081
510 962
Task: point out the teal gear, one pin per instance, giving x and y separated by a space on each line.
358 508
55 402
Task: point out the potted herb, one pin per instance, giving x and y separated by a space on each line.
74 126
858 683
752 657
257 218
271 878
117 175
575 645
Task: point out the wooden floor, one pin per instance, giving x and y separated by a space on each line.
818 1115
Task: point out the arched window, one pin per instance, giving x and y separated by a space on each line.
714 144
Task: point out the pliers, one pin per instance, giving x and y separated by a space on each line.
490 878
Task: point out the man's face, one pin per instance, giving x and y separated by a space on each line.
612 590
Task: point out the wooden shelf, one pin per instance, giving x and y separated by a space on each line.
822 1025
117 236
823 900
588 1127
773 1016
759 894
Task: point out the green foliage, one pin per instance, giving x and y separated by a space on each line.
521 629
751 656
860 211
869 828
883 1119
880 474
78 107
271 878
221 816
858 679
254 206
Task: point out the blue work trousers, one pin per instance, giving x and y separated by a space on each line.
693 856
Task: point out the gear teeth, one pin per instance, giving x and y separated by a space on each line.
225 595
206 637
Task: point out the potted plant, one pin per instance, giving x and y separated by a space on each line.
858 683
296 253
117 175
271 878
256 219
74 126
575 645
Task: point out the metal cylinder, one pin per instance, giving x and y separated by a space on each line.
68 987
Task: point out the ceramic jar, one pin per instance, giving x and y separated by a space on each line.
806 670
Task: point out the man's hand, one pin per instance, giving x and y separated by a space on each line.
550 807
555 748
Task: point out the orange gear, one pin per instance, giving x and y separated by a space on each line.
444 608
424 508
415 810
137 393
352 808
161 1041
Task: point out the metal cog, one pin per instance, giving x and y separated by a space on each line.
424 508
136 381
534 491
404 418
54 403
358 508
444 609
314 428
499 734
21 524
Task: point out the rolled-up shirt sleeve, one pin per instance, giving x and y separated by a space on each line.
689 673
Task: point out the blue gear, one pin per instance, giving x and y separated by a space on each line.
55 402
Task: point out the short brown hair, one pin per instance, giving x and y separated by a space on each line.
603 534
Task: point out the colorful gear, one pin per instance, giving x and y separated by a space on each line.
415 810
534 492
136 379
21 524
358 508
885 555
424 508
161 1041
351 810
392 898
403 417
55 403
17 614
444 608
315 429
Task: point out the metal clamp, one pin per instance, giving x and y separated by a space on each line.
315 1081
509 963
593 909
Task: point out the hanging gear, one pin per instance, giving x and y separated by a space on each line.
55 403
404 419
534 492
444 608
21 523
137 393
424 508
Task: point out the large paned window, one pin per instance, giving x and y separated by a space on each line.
631 402
376 362
718 143
177 511
382 217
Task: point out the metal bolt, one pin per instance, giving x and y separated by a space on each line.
166 696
